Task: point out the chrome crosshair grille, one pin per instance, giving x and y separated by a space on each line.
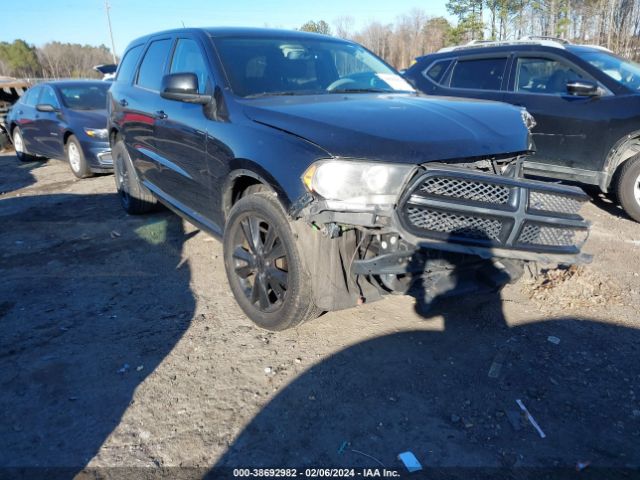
473 207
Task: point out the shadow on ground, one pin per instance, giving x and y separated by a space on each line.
450 397
91 301
15 174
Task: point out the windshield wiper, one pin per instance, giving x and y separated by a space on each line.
275 94
361 90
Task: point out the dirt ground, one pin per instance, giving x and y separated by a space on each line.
122 346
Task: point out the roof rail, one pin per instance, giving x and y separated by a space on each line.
562 41
501 43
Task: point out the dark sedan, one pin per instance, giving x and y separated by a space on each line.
65 120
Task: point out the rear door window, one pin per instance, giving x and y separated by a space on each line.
153 65
32 95
479 73
543 75
128 64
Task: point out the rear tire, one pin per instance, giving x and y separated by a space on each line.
266 271
627 187
75 157
20 148
135 198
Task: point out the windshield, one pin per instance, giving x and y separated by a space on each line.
281 66
624 71
85 97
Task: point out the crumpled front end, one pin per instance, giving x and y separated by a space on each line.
457 217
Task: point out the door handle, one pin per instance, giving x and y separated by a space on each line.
124 102
161 115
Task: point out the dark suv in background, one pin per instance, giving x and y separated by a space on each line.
585 100
330 180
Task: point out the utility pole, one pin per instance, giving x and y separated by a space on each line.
107 7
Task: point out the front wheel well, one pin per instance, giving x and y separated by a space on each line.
65 139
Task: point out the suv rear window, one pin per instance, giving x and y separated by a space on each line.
153 65
128 64
479 74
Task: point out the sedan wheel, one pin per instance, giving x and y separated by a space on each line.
18 145
76 159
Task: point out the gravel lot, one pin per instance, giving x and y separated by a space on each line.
121 345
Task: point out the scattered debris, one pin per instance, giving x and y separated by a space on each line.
552 339
515 419
530 418
582 465
410 461
139 368
344 445
124 368
496 366
115 234
368 456
572 287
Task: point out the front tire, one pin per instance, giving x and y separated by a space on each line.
627 187
77 161
135 198
20 148
266 272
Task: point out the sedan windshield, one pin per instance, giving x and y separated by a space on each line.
85 97
624 71
280 66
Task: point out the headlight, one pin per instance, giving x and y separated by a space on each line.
100 133
528 119
357 183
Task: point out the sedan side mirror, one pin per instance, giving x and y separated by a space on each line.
46 107
182 87
583 88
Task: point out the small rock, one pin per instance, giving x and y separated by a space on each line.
298 360
139 368
268 370
552 339
115 234
124 368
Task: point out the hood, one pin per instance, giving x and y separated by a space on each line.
396 127
87 118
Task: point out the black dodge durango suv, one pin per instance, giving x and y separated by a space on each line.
330 180
585 100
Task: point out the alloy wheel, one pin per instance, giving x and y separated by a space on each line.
260 263
17 143
74 156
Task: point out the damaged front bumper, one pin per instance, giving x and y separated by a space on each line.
462 211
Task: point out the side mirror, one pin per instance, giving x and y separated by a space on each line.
582 88
46 107
182 87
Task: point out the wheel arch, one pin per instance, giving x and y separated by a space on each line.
623 150
244 174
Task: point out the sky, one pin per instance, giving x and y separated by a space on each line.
85 22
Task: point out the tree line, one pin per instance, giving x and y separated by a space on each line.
614 24
52 60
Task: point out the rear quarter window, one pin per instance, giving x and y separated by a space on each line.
479 73
128 64
435 72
